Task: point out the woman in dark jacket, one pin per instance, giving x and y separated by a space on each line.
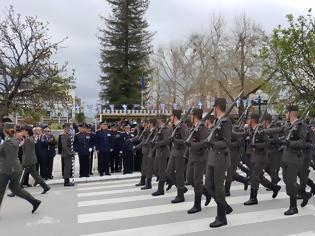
10 167
29 159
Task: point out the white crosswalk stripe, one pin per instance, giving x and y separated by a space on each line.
124 209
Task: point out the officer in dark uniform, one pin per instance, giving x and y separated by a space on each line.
67 154
83 146
162 153
103 143
117 142
92 137
51 151
218 161
10 167
197 159
176 165
127 150
259 160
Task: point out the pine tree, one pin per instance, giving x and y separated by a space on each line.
125 50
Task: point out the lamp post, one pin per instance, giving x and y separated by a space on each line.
261 98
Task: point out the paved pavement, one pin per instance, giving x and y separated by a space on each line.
117 208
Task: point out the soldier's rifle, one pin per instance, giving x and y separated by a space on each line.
182 120
223 118
194 130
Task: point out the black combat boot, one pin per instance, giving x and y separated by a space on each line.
45 189
142 181
228 209
312 185
35 204
275 189
242 180
207 195
148 184
180 197
293 208
160 190
197 204
220 220
227 188
305 196
67 183
253 198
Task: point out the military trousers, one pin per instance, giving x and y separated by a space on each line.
67 167
194 175
34 173
84 161
175 171
160 167
215 176
257 176
290 173
13 181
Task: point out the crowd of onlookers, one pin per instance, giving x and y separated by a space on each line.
102 149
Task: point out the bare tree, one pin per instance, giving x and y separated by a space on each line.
29 77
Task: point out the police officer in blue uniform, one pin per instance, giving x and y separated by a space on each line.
83 146
127 150
103 143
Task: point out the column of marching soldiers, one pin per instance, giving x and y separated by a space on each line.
212 146
181 151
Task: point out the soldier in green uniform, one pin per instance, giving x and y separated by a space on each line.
176 164
197 159
219 161
29 159
10 167
162 153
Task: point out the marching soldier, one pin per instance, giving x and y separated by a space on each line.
10 168
197 159
67 154
259 161
29 159
295 137
162 153
219 161
142 138
92 137
176 165
150 154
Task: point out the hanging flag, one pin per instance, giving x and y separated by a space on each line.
142 83
125 107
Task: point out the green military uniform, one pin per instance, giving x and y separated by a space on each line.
29 162
10 170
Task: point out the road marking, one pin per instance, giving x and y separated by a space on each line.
135 180
44 221
160 209
109 186
308 233
199 225
137 198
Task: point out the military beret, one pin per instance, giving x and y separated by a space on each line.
292 108
27 127
153 121
9 125
103 123
18 128
197 112
177 113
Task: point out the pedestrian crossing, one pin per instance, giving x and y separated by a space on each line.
118 208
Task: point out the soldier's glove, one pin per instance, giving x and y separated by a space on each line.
90 149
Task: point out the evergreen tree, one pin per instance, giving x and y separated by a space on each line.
125 49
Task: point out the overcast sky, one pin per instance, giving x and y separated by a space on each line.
172 20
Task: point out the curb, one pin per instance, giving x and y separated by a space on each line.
97 178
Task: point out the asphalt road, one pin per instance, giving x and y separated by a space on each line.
118 208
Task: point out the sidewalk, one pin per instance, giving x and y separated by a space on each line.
59 180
